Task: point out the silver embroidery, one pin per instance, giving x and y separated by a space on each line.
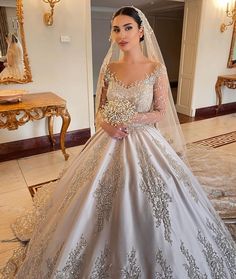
148 80
215 263
192 269
132 270
178 169
226 246
167 272
37 249
74 264
51 263
108 187
102 267
85 171
154 187
140 95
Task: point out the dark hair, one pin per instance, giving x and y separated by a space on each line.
14 38
130 11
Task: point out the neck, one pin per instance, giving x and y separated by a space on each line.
133 56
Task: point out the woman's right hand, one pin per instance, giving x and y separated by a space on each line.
117 132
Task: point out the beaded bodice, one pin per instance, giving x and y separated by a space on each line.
139 93
148 95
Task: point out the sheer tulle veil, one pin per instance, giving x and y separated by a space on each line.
169 125
16 47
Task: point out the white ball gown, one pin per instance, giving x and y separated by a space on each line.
128 209
16 68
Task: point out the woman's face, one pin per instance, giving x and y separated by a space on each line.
125 32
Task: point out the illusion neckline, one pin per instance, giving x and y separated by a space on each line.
134 83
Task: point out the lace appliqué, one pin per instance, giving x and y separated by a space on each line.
149 78
215 263
178 169
74 264
167 272
149 95
154 187
157 105
102 266
85 172
192 269
108 187
25 224
226 246
51 263
132 270
37 250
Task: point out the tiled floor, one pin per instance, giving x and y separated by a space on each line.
17 175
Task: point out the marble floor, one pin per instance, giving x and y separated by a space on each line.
17 175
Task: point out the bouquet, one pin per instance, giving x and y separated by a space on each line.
118 111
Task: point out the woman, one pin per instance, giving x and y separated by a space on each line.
128 207
14 66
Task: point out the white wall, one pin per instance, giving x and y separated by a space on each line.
64 69
212 56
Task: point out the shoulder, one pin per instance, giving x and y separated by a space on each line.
107 72
154 67
157 65
113 66
159 70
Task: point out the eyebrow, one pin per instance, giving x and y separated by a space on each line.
123 25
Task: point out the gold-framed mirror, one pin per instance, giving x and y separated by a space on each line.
232 53
14 62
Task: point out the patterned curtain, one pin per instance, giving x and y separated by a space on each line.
3 30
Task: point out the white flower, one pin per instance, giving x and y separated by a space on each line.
118 112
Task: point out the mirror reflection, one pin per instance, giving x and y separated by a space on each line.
14 66
232 54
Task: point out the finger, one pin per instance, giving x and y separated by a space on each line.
121 127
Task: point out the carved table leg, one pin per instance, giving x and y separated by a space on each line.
218 93
65 124
50 130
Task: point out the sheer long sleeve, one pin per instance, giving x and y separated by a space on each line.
103 99
160 97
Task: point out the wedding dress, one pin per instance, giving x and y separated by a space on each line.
129 208
16 68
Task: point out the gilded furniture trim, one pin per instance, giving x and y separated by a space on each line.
228 81
35 107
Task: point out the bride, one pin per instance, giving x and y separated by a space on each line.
128 207
14 65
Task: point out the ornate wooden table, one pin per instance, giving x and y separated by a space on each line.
34 107
228 81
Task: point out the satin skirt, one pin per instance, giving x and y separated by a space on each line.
128 208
